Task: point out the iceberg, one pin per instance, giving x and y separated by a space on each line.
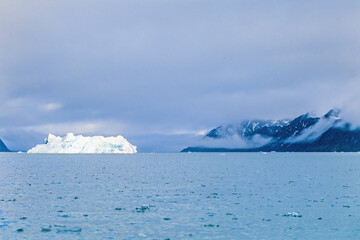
81 144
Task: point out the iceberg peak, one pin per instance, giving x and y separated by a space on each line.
71 143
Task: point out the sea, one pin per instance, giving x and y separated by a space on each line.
180 196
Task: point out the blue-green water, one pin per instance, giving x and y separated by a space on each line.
180 196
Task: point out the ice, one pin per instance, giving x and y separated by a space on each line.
81 144
292 214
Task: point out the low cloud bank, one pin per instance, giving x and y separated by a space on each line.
234 141
313 133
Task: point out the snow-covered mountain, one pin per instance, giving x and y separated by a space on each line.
80 144
3 148
304 133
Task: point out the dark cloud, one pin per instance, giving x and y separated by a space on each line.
150 68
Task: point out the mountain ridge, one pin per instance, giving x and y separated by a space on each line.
3 147
306 133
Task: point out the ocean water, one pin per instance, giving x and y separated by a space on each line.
180 196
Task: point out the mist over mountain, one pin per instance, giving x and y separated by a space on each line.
306 133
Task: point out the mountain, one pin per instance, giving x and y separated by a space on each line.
3 148
306 133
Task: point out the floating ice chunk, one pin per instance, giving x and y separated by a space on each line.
64 229
143 208
292 214
46 228
80 144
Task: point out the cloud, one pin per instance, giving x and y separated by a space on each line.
165 67
234 141
351 107
314 132
63 128
50 106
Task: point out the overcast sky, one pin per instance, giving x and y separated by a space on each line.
161 72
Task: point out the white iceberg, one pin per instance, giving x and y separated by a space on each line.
80 144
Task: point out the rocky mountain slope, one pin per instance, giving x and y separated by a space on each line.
3 148
306 133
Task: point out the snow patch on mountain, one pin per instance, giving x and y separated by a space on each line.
248 129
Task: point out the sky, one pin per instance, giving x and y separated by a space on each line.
163 72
